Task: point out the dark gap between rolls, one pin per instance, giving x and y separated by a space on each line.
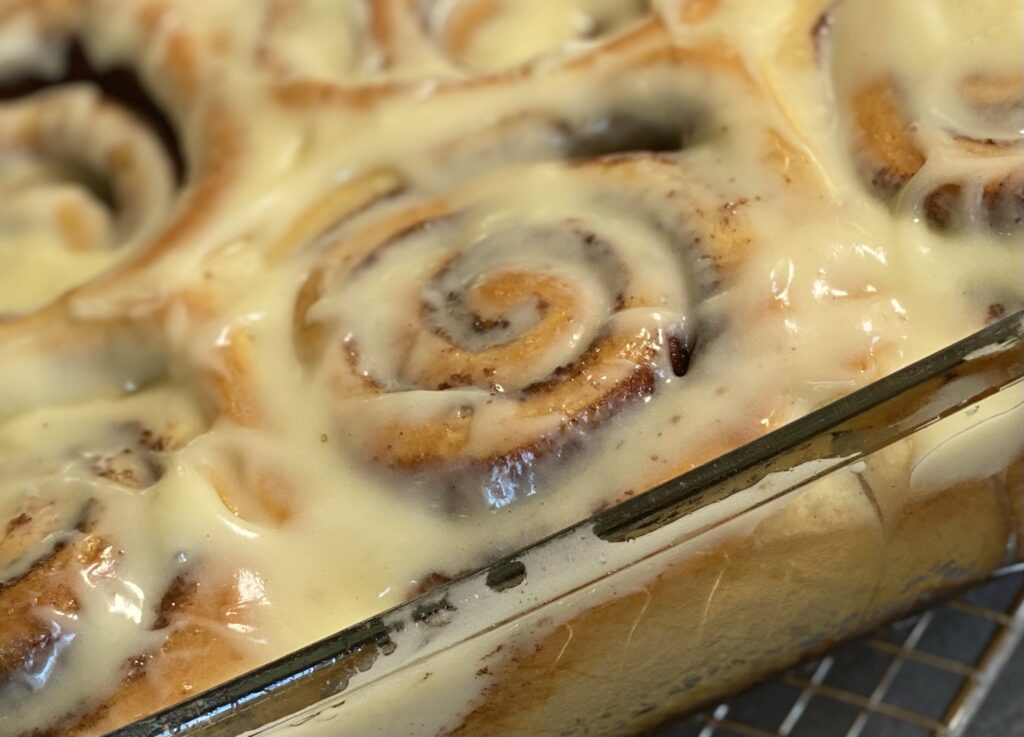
118 83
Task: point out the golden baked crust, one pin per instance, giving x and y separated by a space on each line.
842 556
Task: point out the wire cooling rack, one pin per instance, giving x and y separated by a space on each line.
925 676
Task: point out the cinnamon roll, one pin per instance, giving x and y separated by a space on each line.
68 478
94 148
195 626
82 182
515 324
943 143
358 52
658 97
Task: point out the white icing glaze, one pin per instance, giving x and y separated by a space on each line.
490 35
821 290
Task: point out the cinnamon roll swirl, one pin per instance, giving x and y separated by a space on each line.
93 149
944 144
68 476
515 323
82 180
359 52
348 41
195 627
658 98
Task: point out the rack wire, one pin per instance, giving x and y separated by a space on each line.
923 676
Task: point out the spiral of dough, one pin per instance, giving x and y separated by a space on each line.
83 178
943 142
69 476
357 52
483 331
106 158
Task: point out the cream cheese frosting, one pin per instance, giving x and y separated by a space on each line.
444 278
